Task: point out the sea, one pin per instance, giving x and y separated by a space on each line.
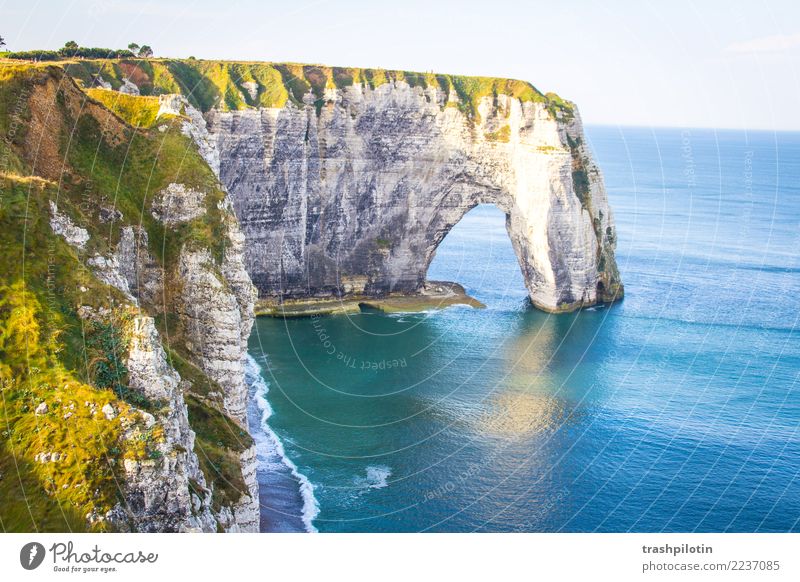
674 410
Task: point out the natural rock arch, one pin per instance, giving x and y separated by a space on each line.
354 196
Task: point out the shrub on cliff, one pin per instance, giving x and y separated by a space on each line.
68 52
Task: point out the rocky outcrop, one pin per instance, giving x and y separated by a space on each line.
216 309
148 370
107 270
128 87
62 225
353 193
211 317
177 203
143 274
166 492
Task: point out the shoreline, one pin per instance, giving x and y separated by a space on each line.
435 295
286 497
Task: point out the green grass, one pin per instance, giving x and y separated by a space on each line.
503 134
26 505
210 84
136 110
52 494
48 266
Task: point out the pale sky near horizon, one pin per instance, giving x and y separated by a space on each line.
677 63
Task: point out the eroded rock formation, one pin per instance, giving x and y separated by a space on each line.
169 492
355 195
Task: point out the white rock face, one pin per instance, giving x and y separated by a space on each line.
128 87
157 491
149 372
107 270
213 322
252 89
217 314
357 198
171 104
140 269
176 203
63 226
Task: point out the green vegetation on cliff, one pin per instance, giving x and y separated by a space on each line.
218 445
62 331
136 110
231 85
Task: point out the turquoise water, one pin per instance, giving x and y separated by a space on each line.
675 410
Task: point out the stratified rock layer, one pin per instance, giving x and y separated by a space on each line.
354 196
157 492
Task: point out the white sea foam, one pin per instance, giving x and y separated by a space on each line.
254 379
377 477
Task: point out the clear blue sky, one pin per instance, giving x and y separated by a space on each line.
668 63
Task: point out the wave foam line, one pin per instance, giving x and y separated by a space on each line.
256 380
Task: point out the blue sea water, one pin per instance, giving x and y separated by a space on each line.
675 410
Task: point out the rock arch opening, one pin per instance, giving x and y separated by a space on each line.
477 253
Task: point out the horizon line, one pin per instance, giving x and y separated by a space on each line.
689 127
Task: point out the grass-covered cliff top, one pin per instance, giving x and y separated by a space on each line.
231 85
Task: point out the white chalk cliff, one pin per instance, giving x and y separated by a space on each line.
354 194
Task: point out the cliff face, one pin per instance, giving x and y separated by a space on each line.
136 305
355 196
167 493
